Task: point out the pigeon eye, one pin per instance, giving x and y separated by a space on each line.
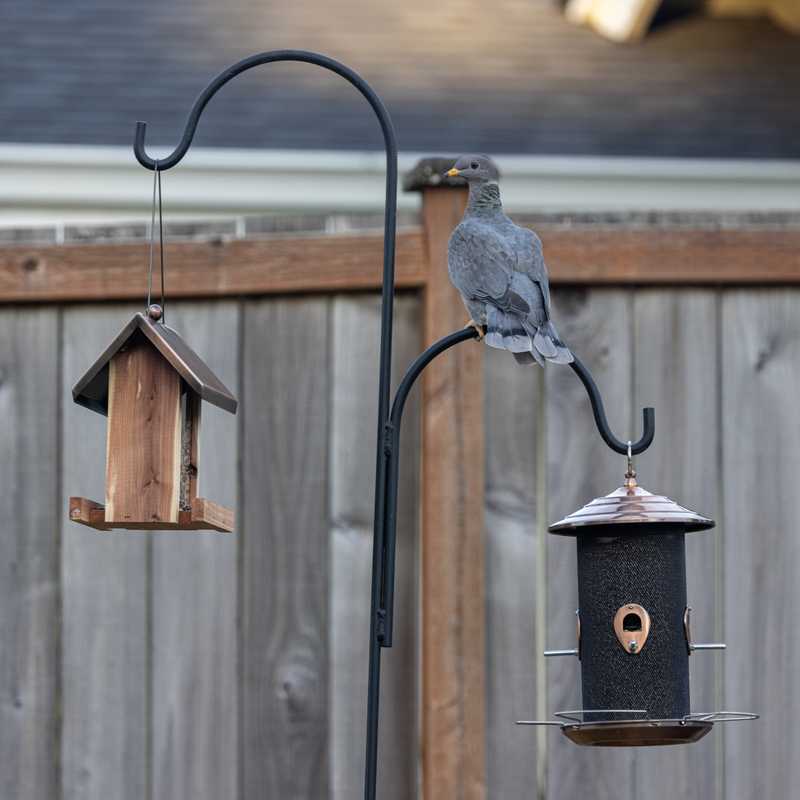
474 165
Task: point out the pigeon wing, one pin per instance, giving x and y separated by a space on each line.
530 262
480 263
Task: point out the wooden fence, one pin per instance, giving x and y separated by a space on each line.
176 666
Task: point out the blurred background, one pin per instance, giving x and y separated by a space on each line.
679 79
652 144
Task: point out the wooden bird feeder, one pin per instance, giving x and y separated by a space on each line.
150 384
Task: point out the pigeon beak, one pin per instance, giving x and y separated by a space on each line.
452 173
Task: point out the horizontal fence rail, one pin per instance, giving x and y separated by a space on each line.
222 266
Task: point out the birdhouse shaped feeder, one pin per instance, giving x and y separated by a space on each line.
633 631
150 384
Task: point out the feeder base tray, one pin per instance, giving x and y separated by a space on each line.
204 516
638 733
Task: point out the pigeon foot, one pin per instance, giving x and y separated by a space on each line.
479 328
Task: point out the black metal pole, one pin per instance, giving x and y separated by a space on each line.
377 632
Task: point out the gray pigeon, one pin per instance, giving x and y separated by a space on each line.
499 269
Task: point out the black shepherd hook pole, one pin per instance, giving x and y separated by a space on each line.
387 295
388 452
392 446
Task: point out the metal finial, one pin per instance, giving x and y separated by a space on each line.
155 312
630 475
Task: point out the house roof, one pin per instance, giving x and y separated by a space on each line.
520 80
91 390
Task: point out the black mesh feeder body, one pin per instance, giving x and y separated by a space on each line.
634 638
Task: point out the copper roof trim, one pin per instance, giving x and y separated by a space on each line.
631 504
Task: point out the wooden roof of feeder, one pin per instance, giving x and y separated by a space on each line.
91 390
629 505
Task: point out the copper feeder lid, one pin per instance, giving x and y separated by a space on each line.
629 505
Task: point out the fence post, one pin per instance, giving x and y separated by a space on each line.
452 547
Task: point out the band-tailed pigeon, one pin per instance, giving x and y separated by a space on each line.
499 269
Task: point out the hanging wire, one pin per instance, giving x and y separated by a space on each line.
161 246
152 244
156 193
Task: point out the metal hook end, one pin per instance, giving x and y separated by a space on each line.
138 146
630 474
648 416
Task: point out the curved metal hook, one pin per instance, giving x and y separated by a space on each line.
231 72
648 417
392 448
392 452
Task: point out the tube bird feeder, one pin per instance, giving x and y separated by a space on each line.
633 631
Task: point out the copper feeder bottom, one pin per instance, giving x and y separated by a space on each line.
638 733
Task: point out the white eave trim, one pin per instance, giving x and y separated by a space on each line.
55 182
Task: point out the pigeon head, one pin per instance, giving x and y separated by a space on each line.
475 168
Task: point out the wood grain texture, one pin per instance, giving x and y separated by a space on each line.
675 346
513 398
761 461
208 269
143 453
29 562
194 708
580 467
585 255
285 559
664 256
104 744
453 557
354 363
212 515
204 515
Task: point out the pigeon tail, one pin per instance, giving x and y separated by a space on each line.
547 342
505 332
529 344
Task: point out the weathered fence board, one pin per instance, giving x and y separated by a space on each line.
285 549
29 564
105 642
354 367
675 370
513 398
194 717
761 463
597 324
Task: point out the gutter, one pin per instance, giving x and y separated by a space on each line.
59 183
